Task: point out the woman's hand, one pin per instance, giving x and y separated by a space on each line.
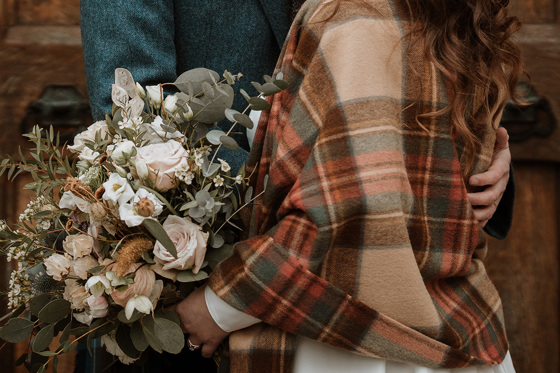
198 323
495 179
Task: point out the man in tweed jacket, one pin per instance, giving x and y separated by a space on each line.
364 238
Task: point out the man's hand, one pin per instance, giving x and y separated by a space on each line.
495 179
198 323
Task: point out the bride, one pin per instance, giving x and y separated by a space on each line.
364 253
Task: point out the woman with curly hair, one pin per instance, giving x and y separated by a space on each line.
363 252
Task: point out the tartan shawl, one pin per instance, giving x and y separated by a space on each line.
363 237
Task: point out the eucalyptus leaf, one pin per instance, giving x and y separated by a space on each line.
230 113
248 194
259 104
213 109
195 77
211 170
100 327
188 276
149 330
169 315
214 136
215 256
46 353
229 142
266 89
197 212
67 346
38 302
188 205
156 229
169 334
217 241
16 330
44 338
54 311
244 120
138 339
135 317
124 341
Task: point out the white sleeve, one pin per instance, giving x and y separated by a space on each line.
228 318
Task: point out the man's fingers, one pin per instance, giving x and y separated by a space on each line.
208 349
484 214
487 197
502 139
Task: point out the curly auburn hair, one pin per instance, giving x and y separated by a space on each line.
469 42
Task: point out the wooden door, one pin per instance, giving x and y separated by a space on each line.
525 266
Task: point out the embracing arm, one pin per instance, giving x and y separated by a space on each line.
493 207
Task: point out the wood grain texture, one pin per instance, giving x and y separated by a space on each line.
534 11
525 269
51 12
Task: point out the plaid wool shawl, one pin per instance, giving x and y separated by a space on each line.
364 238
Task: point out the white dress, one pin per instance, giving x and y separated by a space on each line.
315 357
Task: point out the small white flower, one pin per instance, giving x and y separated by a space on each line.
239 179
140 303
225 166
117 189
84 317
218 181
96 285
154 93
143 206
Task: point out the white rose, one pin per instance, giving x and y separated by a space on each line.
117 189
82 265
162 161
58 265
75 294
154 93
88 155
190 241
123 151
98 307
89 134
78 245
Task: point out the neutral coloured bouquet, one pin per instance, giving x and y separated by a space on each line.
127 220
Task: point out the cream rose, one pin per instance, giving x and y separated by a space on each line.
58 265
162 161
190 241
144 280
80 266
76 294
98 307
78 245
89 134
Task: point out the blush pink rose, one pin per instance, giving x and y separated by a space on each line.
144 280
190 242
162 160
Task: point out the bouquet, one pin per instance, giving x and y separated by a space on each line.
127 220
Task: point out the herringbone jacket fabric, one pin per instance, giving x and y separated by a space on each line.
363 238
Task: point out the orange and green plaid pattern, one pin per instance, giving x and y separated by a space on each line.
364 238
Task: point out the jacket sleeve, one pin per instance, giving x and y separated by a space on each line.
135 34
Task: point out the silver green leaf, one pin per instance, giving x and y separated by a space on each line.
16 330
156 229
54 311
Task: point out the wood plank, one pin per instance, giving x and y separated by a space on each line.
52 12
525 269
540 45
